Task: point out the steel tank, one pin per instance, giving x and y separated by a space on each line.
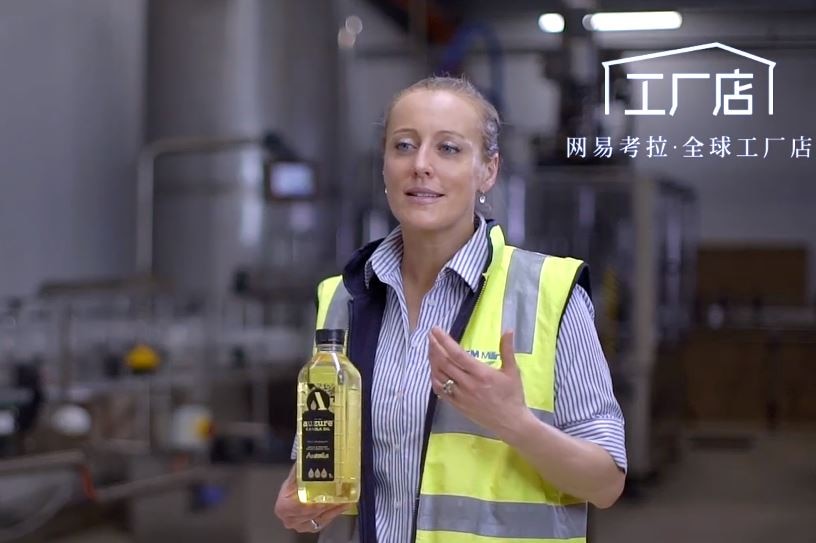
223 69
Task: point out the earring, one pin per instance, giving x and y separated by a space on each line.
482 197
386 190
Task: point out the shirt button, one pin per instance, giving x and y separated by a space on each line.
416 341
397 503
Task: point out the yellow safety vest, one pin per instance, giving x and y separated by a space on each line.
475 488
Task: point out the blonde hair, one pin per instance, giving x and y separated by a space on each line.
464 88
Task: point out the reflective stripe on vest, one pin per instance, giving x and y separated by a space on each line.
503 519
489 493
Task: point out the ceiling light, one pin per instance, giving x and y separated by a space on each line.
634 20
551 22
354 24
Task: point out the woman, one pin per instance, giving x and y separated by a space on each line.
488 408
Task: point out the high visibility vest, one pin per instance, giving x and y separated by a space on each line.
475 488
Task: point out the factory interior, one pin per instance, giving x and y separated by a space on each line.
178 176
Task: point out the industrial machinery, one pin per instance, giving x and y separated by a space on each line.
112 393
173 389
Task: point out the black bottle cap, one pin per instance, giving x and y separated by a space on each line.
330 336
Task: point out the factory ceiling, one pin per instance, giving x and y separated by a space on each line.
443 16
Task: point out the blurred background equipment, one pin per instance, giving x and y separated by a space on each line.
147 390
638 235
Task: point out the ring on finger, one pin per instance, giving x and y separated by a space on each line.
447 386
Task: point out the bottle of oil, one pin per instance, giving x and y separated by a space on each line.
328 430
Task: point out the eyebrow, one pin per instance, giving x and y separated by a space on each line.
450 132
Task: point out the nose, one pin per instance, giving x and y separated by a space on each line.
422 162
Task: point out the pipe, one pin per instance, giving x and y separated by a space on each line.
151 485
42 461
77 460
146 184
418 23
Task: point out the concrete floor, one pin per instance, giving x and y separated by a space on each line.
762 493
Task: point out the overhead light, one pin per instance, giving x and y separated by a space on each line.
552 23
633 20
354 24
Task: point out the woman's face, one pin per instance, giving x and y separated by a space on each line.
433 161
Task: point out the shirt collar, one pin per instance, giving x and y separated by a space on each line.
468 262
386 258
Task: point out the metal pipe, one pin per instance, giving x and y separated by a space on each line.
632 45
127 447
253 430
42 461
77 459
66 359
419 29
146 184
151 485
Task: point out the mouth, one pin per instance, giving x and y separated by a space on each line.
423 196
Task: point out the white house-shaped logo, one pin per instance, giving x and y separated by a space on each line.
736 102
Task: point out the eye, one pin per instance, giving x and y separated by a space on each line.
449 148
403 146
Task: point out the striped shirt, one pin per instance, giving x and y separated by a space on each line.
585 406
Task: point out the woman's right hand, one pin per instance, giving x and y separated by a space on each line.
303 517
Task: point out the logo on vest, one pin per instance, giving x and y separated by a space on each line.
491 358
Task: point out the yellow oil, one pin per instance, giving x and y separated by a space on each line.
328 461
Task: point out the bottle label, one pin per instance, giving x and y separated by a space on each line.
317 434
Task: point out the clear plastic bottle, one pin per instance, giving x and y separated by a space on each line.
328 425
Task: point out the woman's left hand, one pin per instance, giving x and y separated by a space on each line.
492 398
